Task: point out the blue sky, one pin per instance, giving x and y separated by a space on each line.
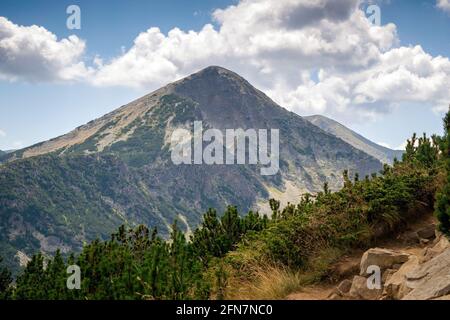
32 110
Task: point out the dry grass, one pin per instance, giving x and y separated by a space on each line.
271 282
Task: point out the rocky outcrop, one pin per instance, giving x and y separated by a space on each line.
431 279
404 275
22 258
435 287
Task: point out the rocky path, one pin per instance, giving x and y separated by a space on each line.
413 266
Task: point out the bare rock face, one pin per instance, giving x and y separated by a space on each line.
422 277
423 272
435 287
23 258
431 279
383 258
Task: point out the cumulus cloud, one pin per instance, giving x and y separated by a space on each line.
444 5
32 53
2 133
270 42
407 74
310 56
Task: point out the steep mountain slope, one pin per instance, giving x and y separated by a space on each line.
381 153
3 154
118 168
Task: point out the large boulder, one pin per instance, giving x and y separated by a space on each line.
360 290
383 258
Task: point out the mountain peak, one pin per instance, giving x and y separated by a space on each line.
215 69
213 74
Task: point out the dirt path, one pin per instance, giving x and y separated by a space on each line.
319 292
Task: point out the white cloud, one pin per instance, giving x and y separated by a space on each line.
407 75
310 56
32 53
2 133
257 38
271 43
444 5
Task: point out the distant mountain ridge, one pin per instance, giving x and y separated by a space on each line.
377 151
118 170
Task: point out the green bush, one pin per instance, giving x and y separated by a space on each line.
443 197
